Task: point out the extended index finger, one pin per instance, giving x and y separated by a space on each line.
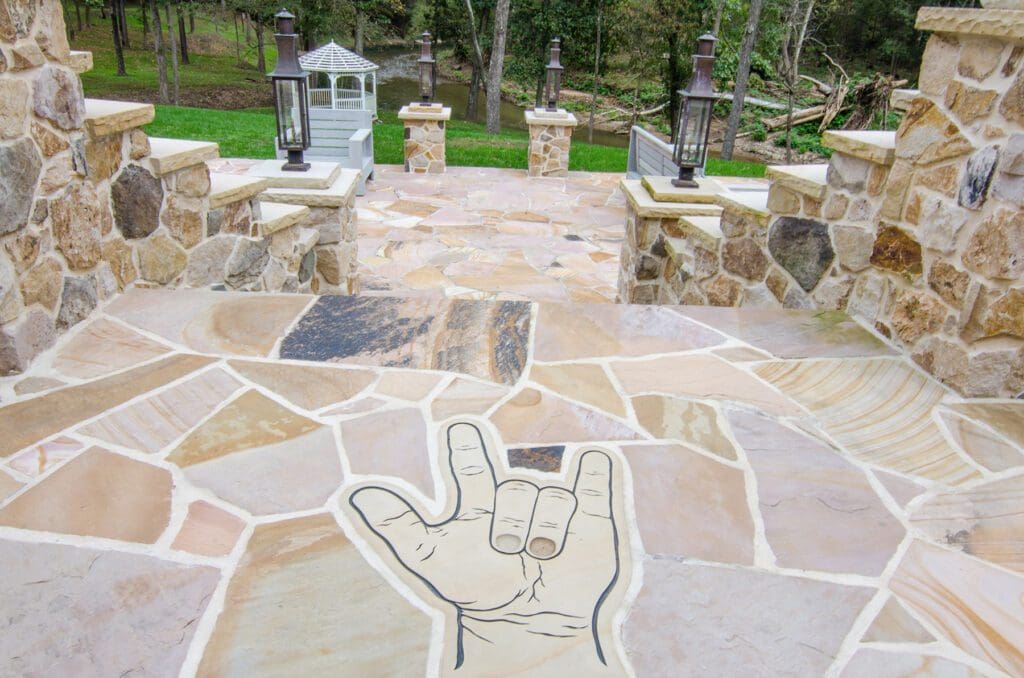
472 468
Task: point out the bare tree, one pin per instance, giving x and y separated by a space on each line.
182 36
360 30
174 51
158 49
742 77
719 10
597 71
261 48
497 66
476 79
115 25
798 18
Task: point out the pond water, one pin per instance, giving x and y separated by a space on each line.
398 84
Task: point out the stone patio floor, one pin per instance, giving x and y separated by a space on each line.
218 484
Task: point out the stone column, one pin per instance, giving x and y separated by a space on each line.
424 137
550 139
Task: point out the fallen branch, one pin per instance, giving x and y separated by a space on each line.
761 103
799 117
825 89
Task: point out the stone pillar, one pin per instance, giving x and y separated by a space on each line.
550 139
424 137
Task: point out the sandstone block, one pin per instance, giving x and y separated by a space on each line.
895 250
57 96
969 104
996 249
803 248
917 314
14 108
193 182
1006 315
184 220
103 156
161 259
78 300
42 284
246 263
26 55
941 223
979 57
868 297
118 255
724 291
949 283
835 208
1012 105
49 142
24 249
137 196
23 340
20 167
942 179
783 201
1009 188
745 258
16 17
1013 156
78 218
848 173
57 174
927 135
336 262
138 144
939 63
853 247
777 282
207 261
10 300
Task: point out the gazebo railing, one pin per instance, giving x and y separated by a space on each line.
347 99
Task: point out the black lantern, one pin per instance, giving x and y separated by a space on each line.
428 71
694 124
290 104
553 83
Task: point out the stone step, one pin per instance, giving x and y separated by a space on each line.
750 204
809 180
104 117
900 99
706 229
80 61
340 194
876 147
228 188
275 216
171 155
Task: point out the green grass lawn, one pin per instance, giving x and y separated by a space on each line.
250 134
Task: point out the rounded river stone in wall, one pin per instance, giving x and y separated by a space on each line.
802 247
137 196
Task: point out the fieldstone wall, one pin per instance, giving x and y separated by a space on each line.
920 233
425 138
550 142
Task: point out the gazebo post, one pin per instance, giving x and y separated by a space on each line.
362 91
373 81
334 91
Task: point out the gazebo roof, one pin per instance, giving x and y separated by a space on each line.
333 58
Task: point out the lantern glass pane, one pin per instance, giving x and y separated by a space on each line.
289 115
693 124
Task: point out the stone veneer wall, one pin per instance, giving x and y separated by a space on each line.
84 213
425 146
924 241
550 143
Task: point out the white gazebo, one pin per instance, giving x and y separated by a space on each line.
338 63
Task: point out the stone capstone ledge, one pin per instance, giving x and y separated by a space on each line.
808 180
1007 24
320 175
103 118
662 190
705 229
171 155
876 147
561 118
230 188
900 99
436 113
752 205
275 216
341 193
649 208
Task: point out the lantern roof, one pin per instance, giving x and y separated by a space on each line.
333 58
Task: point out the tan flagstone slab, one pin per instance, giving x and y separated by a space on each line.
698 620
893 624
701 376
391 443
535 417
879 664
8 486
296 474
30 385
358 406
151 424
411 386
463 396
684 420
104 346
819 511
304 602
41 458
600 330
792 334
879 409
986 521
307 386
742 354
252 420
98 494
900 488
980 444
208 530
1006 418
104 117
586 383
671 486
83 612
978 607
32 420
211 322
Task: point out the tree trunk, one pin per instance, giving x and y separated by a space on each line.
238 53
742 77
125 40
360 29
261 54
182 36
597 72
191 19
797 20
673 81
145 25
477 55
88 16
69 28
173 50
473 103
719 10
115 25
78 15
247 23
158 49
497 66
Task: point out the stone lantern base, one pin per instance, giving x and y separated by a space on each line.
550 140
425 137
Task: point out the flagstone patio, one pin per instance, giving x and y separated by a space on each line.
222 484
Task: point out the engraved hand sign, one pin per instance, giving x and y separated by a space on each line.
532 573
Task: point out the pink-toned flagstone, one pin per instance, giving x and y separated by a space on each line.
308 386
37 460
981 444
893 624
208 530
534 417
464 396
901 489
827 519
151 424
391 443
104 346
8 486
412 386
97 494
686 421
671 484
978 607
879 664
358 406
586 383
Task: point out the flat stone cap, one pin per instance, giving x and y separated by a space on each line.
662 190
341 193
749 204
993 23
809 180
559 118
878 147
421 112
649 208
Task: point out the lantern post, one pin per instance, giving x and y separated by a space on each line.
291 105
693 127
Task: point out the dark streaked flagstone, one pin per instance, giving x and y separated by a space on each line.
538 458
484 339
